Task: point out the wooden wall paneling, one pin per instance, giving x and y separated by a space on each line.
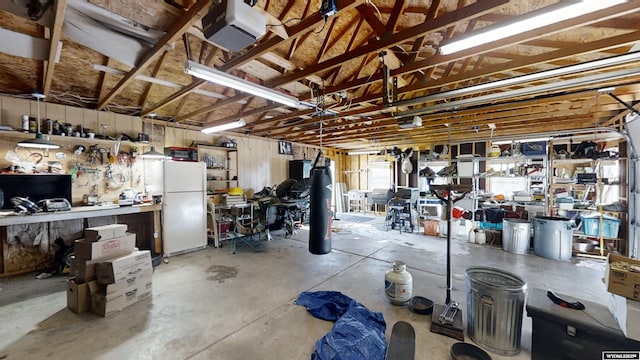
139 224
129 125
12 111
363 173
157 235
54 112
178 137
466 148
106 124
75 117
90 120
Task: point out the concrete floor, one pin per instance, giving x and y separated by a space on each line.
211 304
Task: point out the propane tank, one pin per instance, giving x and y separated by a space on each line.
398 283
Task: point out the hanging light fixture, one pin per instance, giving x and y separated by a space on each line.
39 142
152 154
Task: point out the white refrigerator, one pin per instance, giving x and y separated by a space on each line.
184 210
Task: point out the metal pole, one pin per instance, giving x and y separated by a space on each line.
449 207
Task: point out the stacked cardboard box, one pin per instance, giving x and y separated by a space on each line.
109 244
120 282
622 277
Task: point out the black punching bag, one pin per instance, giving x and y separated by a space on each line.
320 211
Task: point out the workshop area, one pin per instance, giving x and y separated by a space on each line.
324 179
208 304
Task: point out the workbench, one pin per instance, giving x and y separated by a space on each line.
144 220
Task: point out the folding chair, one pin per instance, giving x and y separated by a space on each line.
247 234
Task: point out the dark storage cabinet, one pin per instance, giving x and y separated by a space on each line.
568 334
299 169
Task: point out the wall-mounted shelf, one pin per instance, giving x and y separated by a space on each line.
221 161
73 140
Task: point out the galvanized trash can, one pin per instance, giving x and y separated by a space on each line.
516 235
495 302
552 237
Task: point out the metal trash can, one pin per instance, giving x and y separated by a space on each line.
516 235
495 302
552 237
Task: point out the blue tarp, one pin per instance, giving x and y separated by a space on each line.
358 332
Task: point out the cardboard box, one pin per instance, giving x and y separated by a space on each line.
431 227
78 297
112 270
87 250
139 280
106 232
106 305
620 280
627 314
83 270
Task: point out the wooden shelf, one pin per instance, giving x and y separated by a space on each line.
58 139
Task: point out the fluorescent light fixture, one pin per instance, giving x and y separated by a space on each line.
606 90
564 10
526 91
224 79
565 70
39 142
223 127
504 142
364 152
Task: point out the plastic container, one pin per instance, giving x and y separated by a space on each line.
610 225
516 235
25 123
495 303
552 237
398 283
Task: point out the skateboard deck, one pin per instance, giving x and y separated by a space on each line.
402 344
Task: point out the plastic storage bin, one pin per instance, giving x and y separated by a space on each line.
534 148
610 225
